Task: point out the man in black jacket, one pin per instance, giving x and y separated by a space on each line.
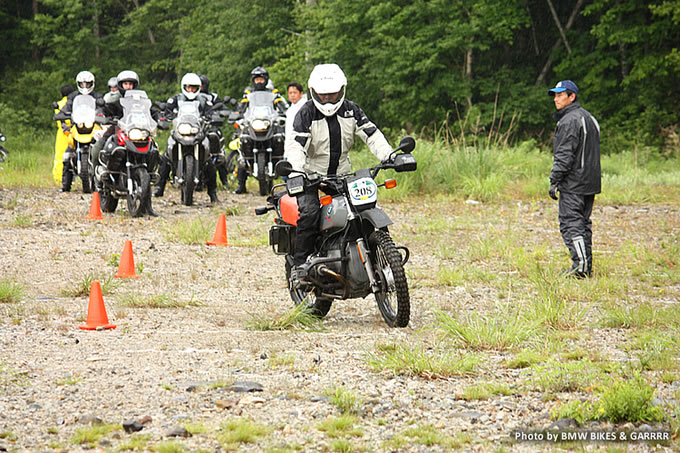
575 174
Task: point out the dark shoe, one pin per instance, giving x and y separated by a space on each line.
159 191
65 189
213 197
574 272
151 212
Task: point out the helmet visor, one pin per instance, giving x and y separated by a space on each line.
85 84
328 98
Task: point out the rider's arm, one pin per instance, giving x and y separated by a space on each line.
297 144
371 135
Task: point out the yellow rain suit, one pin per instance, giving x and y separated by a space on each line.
60 145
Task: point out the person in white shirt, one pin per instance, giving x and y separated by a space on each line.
297 99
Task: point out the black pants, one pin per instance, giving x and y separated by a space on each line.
307 225
575 226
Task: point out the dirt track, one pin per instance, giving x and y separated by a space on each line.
175 365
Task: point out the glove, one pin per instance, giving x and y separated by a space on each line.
552 191
65 129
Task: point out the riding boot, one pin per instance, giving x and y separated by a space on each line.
164 172
211 183
66 178
241 177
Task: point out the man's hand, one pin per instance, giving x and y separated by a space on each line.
552 191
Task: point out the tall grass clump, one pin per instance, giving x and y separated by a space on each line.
189 232
10 291
29 163
297 317
502 330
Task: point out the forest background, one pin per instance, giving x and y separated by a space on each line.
415 66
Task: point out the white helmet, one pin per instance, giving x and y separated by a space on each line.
191 79
113 83
127 76
327 79
85 82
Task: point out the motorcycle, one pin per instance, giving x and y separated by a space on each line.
215 120
263 127
83 129
3 151
354 254
128 161
189 154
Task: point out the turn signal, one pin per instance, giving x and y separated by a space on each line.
390 183
325 200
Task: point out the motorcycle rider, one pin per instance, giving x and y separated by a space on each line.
260 78
126 80
323 134
216 146
113 85
191 85
85 84
61 142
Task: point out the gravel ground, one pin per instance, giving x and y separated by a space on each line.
175 367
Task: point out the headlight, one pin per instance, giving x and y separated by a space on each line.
260 125
185 129
89 124
138 135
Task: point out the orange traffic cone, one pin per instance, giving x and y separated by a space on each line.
220 237
96 311
95 209
126 267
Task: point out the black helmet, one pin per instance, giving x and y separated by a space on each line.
205 83
67 89
259 72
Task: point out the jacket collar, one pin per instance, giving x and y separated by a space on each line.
558 115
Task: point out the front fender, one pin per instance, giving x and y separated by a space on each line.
376 217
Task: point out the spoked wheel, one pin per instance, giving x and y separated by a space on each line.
393 299
265 183
107 201
228 172
188 186
140 198
317 306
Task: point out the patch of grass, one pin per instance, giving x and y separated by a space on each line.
297 318
341 426
22 221
626 400
138 442
82 288
189 232
68 380
642 315
525 358
169 446
656 350
8 435
462 276
285 360
429 436
485 390
92 434
503 330
133 300
196 428
416 360
556 377
10 291
10 377
343 446
241 431
554 306
345 400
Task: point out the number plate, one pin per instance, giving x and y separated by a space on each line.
363 191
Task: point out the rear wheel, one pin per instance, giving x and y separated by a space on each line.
317 306
188 186
228 172
140 198
393 298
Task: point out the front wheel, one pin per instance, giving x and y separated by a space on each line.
107 201
262 178
140 198
188 186
317 306
85 173
392 298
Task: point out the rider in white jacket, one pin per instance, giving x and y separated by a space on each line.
323 133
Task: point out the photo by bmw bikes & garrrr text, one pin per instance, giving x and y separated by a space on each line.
129 158
354 253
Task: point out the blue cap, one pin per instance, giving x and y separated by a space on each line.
563 85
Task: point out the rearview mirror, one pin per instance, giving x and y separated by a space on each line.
283 168
407 144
